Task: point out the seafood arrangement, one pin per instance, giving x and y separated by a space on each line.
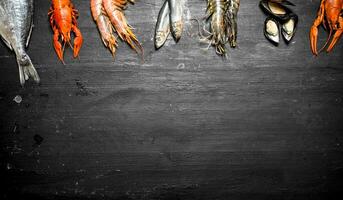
109 17
330 16
16 22
219 28
222 18
169 20
279 16
63 20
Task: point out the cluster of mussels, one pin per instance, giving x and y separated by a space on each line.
279 16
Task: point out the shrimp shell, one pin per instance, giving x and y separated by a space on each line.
104 25
114 9
232 18
216 14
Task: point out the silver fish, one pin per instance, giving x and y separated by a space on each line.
176 18
163 26
16 21
170 20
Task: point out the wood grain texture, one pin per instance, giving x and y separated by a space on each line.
264 124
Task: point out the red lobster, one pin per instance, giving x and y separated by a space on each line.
63 17
329 14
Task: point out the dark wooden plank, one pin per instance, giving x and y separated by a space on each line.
264 124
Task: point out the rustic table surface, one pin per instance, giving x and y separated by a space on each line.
266 123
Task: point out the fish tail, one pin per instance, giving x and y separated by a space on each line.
26 69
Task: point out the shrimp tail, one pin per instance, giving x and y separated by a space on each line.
104 25
114 9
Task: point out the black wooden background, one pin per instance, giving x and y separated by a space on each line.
264 124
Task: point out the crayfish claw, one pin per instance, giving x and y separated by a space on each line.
78 40
58 46
313 40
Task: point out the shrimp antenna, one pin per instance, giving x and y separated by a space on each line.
199 31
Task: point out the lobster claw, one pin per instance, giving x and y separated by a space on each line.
78 40
57 45
313 39
336 36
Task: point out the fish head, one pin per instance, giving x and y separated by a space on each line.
177 29
160 38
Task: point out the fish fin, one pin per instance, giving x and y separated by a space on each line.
26 69
29 36
7 43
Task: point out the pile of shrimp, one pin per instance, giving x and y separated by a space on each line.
110 18
222 18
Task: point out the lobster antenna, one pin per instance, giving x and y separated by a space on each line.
71 46
64 44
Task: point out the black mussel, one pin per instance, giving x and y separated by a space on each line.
282 1
271 30
289 28
277 10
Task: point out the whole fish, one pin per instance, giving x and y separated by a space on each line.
162 26
170 20
16 21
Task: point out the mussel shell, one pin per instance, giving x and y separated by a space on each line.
289 28
272 31
282 1
277 10
288 3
